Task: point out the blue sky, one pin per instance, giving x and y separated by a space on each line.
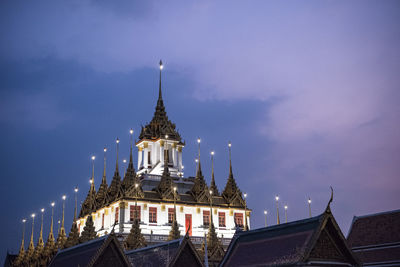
307 91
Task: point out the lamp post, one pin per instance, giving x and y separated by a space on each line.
245 212
211 193
265 214
277 209
286 207
309 206
136 196
76 201
174 203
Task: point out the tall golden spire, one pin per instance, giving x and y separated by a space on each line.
40 242
62 236
213 186
21 252
31 247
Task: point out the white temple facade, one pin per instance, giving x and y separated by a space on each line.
158 188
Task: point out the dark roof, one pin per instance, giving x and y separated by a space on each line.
373 229
9 259
157 255
179 252
87 253
375 238
290 243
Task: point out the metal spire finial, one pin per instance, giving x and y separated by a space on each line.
159 89
117 141
105 158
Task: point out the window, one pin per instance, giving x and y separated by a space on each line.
102 220
152 215
239 219
116 214
221 219
170 215
149 157
206 217
132 214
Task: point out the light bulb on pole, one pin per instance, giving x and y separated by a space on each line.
286 207
265 214
245 212
277 209
309 206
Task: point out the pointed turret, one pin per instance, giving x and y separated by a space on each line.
37 255
215 251
89 231
73 237
160 125
232 193
135 238
114 192
200 190
50 248
165 187
130 175
89 205
62 236
213 186
31 248
174 233
21 254
101 196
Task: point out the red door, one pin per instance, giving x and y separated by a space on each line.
188 223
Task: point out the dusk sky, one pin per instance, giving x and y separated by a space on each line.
308 93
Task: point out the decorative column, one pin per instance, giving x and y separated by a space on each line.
122 206
180 158
140 155
146 155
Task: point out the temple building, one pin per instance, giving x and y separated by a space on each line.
157 187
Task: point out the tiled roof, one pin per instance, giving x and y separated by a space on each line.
157 255
375 229
284 243
317 239
79 255
375 238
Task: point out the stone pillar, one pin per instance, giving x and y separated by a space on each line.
140 155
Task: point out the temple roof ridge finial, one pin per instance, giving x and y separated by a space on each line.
159 88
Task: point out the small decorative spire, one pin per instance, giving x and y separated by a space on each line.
213 186
130 178
159 88
31 248
89 231
73 236
114 191
174 233
21 252
200 190
135 238
232 193
101 196
50 248
164 188
40 245
62 236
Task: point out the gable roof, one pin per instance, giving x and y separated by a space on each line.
163 254
87 253
374 229
312 240
375 238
